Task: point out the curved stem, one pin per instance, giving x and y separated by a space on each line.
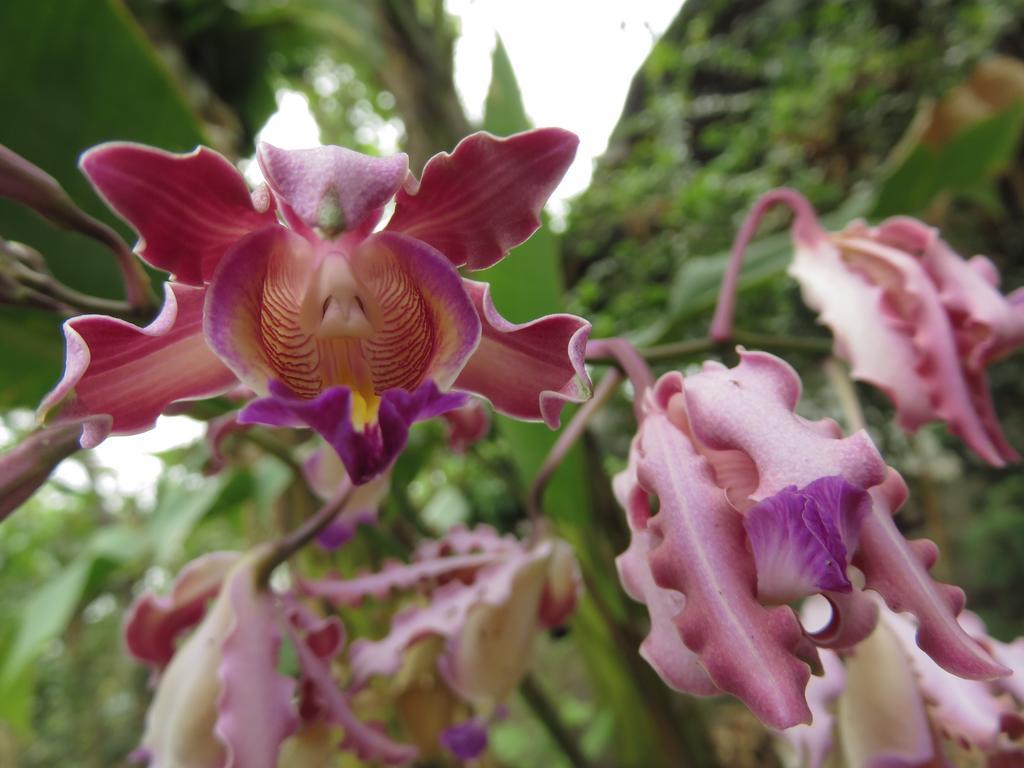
630 360
566 440
805 223
295 540
545 711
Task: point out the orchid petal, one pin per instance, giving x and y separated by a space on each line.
467 425
187 209
813 743
132 373
898 571
327 477
965 710
881 716
332 189
750 408
255 713
485 198
663 648
365 453
154 622
747 650
531 370
798 540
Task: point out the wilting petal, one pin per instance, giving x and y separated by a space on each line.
798 540
485 198
332 189
467 740
132 373
663 648
882 720
530 370
562 588
813 743
898 571
153 622
28 464
750 408
365 453
747 649
313 746
254 709
368 742
188 209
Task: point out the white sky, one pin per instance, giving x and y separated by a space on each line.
574 60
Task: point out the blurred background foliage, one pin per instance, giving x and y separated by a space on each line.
870 108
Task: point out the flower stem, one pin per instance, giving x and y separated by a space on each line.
566 440
295 540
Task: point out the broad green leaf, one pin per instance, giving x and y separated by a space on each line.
504 113
44 617
76 73
180 508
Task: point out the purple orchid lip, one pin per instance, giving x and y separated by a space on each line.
466 740
802 539
365 453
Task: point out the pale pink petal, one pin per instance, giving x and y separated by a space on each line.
188 209
529 370
898 571
153 622
132 374
881 715
485 198
701 552
332 189
813 743
750 408
965 710
255 712
467 425
663 648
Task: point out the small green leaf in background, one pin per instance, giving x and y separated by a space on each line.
965 164
76 73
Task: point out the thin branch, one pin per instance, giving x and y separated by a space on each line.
292 542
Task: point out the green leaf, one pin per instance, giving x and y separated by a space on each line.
45 615
964 165
504 113
179 509
78 72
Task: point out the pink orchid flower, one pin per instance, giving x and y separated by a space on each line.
220 700
351 331
489 596
908 313
757 507
892 706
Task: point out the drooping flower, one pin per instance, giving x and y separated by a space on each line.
220 700
488 596
891 705
353 332
757 507
908 313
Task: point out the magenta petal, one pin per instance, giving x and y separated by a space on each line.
531 370
747 649
153 622
800 539
486 196
333 189
466 740
898 571
188 209
365 453
132 373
